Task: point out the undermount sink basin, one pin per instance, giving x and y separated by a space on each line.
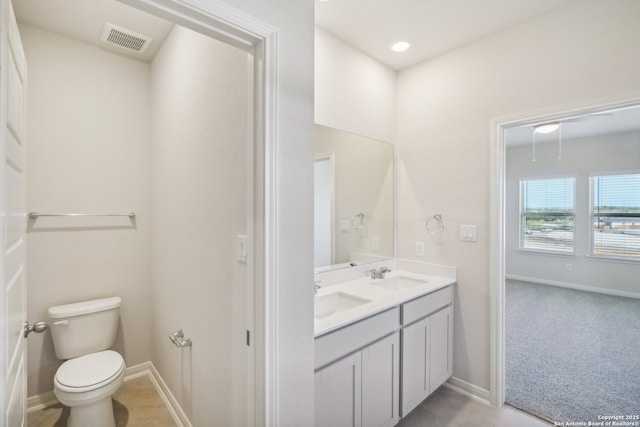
398 283
327 305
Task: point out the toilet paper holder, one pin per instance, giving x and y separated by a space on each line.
178 339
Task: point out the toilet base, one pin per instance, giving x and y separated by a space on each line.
97 414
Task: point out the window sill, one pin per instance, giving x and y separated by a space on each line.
621 260
546 252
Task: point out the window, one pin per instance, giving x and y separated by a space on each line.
547 213
615 214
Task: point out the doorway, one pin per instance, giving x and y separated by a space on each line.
251 41
500 215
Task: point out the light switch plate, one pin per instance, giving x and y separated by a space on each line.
468 233
419 248
241 247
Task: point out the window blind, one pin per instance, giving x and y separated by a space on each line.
615 225
547 214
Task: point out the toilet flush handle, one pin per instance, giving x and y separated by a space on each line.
37 327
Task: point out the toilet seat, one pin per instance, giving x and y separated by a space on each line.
89 372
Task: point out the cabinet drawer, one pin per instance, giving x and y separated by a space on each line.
424 306
353 337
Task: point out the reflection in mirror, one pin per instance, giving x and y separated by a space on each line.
353 200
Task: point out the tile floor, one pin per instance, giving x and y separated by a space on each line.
136 404
447 408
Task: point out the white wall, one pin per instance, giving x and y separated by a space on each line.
294 185
293 384
445 106
88 144
199 103
353 92
581 157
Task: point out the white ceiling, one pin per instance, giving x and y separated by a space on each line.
431 26
85 19
434 27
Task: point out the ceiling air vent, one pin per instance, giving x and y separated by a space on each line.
123 38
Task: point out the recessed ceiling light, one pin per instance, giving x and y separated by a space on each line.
400 46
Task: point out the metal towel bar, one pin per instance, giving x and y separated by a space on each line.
34 215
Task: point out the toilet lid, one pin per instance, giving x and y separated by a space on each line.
94 368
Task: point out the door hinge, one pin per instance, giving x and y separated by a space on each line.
248 338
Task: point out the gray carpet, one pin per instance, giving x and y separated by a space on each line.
571 356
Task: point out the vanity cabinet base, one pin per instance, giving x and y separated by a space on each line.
427 357
360 390
376 370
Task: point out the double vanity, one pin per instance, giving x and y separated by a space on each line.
383 340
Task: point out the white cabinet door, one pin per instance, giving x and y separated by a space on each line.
415 364
380 383
441 348
427 357
338 393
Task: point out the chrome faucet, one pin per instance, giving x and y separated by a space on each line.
316 286
379 274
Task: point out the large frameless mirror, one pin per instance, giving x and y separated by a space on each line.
353 200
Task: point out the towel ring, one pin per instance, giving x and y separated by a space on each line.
435 224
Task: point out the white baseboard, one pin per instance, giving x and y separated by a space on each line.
41 401
575 286
44 400
172 404
470 390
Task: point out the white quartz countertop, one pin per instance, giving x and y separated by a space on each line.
380 298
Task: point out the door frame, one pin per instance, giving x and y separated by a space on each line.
497 218
241 30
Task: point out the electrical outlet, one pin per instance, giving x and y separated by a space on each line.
375 244
419 248
568 267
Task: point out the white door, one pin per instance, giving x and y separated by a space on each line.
13 71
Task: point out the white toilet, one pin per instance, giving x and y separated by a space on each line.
82 334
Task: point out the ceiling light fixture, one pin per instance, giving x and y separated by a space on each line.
400 46
546 127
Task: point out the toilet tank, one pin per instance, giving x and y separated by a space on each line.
84 327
